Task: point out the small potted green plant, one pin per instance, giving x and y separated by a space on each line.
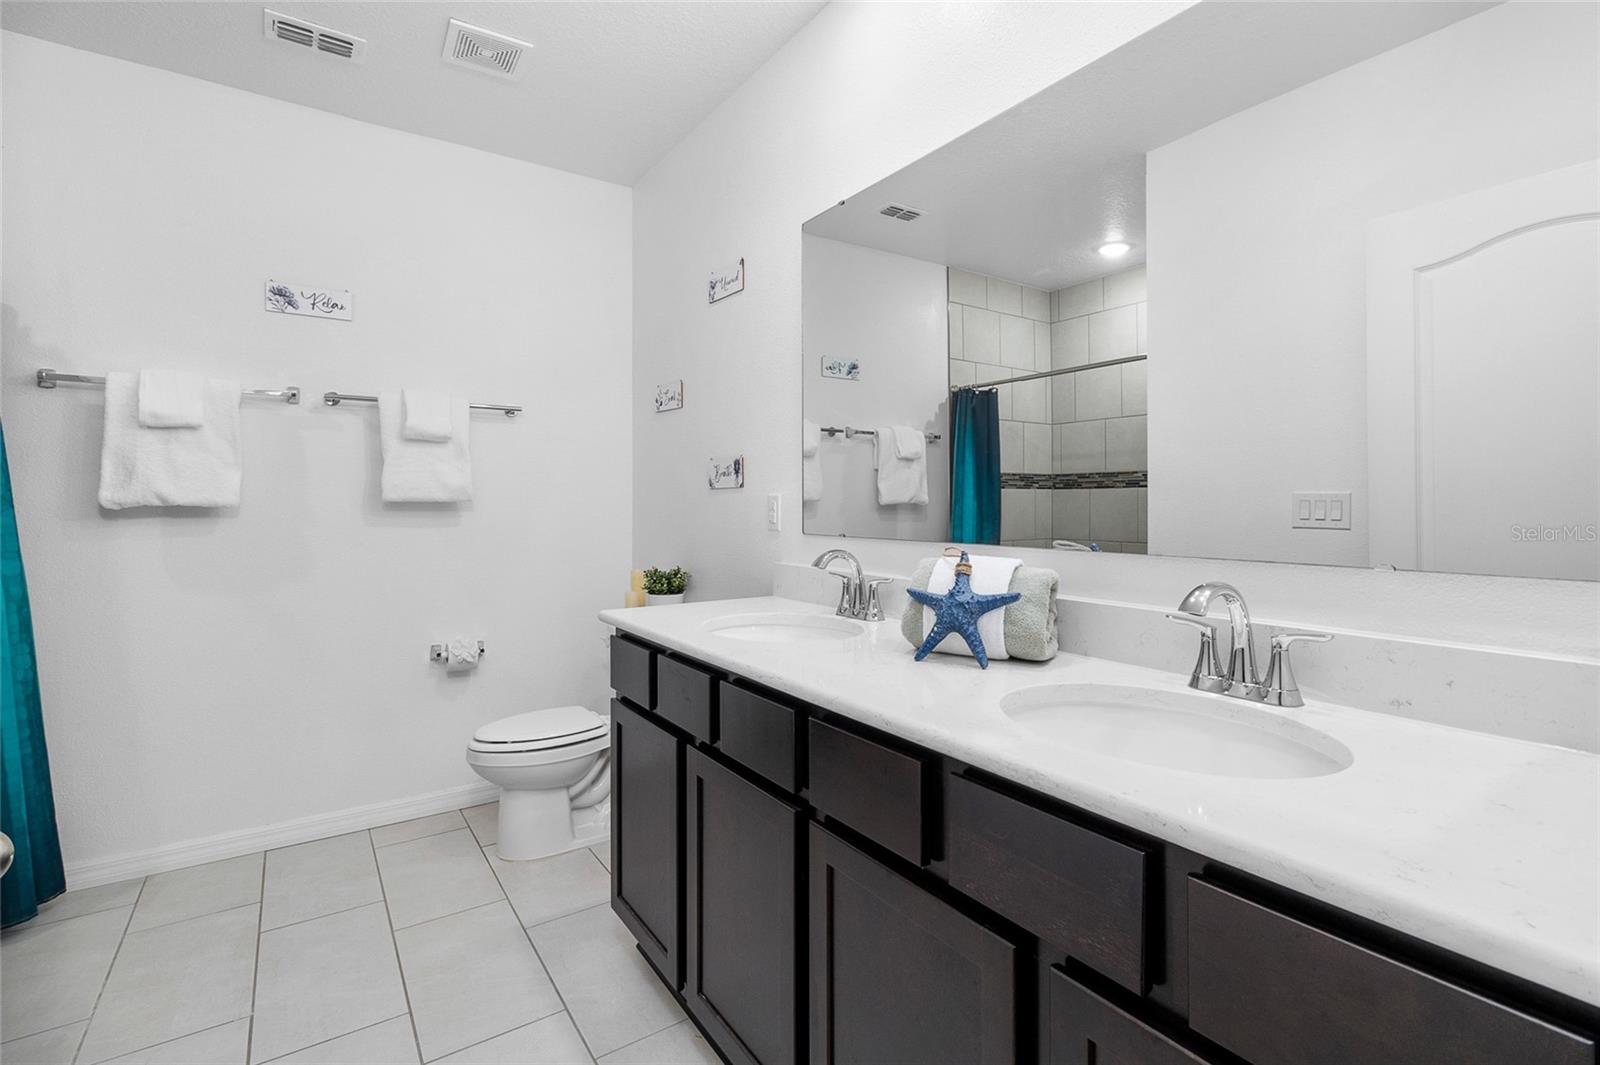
663 586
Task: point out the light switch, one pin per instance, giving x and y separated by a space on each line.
1319 510
775 511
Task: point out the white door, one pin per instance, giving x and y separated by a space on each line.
1483 337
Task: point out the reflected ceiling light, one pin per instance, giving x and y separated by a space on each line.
1114 249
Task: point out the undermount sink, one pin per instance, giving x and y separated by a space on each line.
1177 730
785 628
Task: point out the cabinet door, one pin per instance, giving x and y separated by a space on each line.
897 974
647 836
1086 1029
743 870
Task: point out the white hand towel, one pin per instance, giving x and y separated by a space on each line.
900 480
909 442
417 471
990 576
196 467
427 415
810 461
171 400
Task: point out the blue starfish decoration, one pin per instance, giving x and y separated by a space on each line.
958 611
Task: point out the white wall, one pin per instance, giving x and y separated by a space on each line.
214 673
888 312
859 93
1257 262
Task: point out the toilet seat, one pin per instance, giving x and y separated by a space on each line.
540 730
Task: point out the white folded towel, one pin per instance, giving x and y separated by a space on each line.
427 415
909 442
900 480
171 400
417 471
810 461
990 576
197 467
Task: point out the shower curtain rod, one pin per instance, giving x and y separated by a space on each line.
1052 373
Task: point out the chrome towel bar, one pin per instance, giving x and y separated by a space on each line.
48 378
850 432
333 399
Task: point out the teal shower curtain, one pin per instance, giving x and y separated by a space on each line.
27 807
975 466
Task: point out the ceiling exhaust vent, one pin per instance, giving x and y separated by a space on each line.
485 51
905 214
303 34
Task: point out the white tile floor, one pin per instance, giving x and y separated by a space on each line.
410 943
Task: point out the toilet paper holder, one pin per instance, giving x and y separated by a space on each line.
436 651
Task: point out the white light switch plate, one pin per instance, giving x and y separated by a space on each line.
1319 510
775 511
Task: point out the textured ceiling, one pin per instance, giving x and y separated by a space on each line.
610 89
1029 195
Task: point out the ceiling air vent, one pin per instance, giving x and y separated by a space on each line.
485 51
905 214
303 34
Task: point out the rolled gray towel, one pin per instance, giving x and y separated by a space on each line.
1030 622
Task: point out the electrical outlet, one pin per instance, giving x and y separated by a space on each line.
775 511
1319 510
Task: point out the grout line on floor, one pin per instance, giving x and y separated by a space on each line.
78 1050
320 916
255 969
174 1039
548 975
330 1039
395 943
46 1031
376 846
196 917
508 1031
563 917
682 1020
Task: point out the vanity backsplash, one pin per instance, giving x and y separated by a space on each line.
1540 698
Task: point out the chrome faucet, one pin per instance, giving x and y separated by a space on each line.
1239 679
858 595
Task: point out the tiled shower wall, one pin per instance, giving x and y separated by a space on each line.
1100 488
1072 448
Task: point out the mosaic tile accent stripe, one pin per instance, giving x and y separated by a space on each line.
1112 479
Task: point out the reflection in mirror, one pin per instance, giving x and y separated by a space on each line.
1290 282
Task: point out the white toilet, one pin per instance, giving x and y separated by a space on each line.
548 764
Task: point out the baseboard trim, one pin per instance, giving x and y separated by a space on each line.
285 833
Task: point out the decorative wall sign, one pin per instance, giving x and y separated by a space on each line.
726 472
282 297
669 396
725 283
841 369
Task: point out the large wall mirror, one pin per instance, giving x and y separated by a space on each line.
1313 283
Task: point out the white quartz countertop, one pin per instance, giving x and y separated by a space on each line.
1483 845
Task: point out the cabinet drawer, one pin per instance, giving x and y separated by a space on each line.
876 790
1086 1029
686 695
759 734
633 672
1069 885
1273 988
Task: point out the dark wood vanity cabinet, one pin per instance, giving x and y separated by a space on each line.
647 763
898 974
744 865
813 889
1084 1027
